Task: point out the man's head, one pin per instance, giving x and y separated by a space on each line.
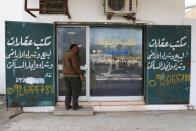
74 48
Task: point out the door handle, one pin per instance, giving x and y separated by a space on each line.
84 68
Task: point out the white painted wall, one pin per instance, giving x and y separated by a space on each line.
9 10
157 11
169 12
193 61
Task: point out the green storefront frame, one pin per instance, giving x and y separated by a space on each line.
151 95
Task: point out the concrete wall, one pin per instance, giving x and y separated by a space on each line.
151 11
193 61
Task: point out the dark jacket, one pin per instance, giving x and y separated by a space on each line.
71 65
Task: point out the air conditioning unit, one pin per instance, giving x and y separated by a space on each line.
121 7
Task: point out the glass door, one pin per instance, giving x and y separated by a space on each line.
111 58
65 37
116 63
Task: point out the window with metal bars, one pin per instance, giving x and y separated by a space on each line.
52 6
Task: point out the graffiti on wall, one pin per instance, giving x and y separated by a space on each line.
164 60
40 57
168 60
168 64
31 59
29 63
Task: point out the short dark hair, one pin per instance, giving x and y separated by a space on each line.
73 45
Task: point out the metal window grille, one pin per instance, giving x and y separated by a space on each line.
52 6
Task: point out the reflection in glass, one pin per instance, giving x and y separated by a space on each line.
65 37
115 61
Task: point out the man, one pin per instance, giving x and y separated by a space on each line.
73 77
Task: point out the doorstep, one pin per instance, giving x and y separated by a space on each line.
61 111
98 106
108 106
106 103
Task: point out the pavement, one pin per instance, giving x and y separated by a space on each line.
121 121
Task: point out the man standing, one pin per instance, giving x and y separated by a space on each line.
73 77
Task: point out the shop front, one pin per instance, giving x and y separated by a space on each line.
121 62
111 58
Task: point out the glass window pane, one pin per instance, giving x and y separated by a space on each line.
115 61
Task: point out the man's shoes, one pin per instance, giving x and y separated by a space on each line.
68 106
76 106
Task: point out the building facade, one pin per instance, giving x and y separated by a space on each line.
122 61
